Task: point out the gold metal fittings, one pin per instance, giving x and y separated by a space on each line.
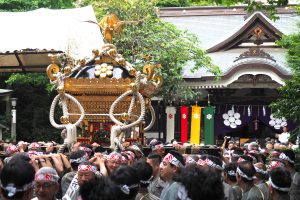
64 119
104 70
52 70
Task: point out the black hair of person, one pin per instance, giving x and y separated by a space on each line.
87 146
291 154
101 150
126 176
247 158
202 183
229 169
75 155
21 156
247 168
281 177
215 159
102 188
238 151
18 173
144 171
156 157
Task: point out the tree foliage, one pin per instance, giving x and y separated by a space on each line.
167 45
288 104
25 5
34 100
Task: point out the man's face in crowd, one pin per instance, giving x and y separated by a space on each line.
112 165
160 151
45 190
269 146
230 146
167 171
49 148
85 176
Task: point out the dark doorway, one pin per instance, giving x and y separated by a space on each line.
254 129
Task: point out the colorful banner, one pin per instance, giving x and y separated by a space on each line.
195 125
170 111
184 116
209 119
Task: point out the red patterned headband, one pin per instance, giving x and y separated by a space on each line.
11 149
211 164
241 160
86 149
157 147
115 156
90 168
46 177
190 160
201 162
275 164
34 146
130 155
173 160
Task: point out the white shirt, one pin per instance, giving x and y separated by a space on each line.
283 137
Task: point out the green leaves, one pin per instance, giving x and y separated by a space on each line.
167 45
25 5
289 101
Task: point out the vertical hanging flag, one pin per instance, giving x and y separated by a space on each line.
184 113
195 125
209 119
170 111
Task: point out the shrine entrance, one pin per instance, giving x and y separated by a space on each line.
254 129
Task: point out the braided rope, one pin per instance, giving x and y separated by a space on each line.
54 102
153 118
120 98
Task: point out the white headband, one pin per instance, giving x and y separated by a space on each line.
278 188
210 163
12 190
242 174
46 177
190 160
126 189
156 147
258 170
285 157
173 160
82 159
147 181
231 173
90 168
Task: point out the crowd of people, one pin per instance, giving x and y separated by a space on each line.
90 172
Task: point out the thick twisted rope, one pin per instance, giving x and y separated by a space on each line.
120 98
153 118
54 102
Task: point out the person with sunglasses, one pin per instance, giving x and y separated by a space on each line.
46 184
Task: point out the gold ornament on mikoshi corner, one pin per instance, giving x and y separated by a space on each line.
53 69
111 24
150 71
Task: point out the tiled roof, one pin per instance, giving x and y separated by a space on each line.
212 30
